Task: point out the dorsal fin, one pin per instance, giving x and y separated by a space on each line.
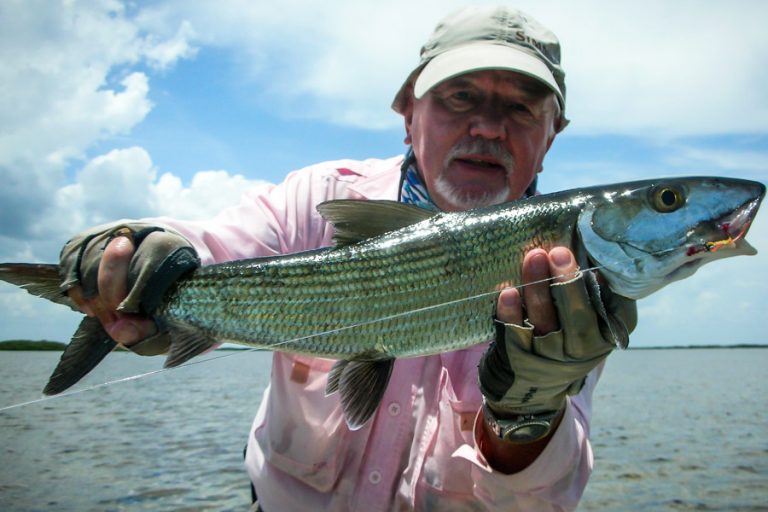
355 220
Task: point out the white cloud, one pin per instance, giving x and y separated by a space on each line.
162 54
755 162
651 69
123 184
66 82
196 202
666 68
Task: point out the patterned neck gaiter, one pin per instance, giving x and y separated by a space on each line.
412 188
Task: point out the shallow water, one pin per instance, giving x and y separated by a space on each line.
673 430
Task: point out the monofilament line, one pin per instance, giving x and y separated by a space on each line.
123 379
294 340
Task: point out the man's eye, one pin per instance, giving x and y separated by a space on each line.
521 108
460 100
462 95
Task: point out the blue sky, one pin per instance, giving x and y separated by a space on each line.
118 109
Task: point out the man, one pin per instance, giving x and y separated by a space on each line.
481 111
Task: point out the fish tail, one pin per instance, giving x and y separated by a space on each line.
90 343
39 279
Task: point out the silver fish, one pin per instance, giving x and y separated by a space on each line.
403 282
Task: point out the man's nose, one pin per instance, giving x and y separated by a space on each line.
488 123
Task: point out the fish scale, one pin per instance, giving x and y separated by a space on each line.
354 299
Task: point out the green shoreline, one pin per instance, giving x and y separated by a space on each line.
44 345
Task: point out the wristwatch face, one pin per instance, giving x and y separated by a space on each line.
523 429
527 431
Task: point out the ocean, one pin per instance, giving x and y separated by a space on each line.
672 430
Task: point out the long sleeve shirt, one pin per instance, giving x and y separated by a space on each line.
420 450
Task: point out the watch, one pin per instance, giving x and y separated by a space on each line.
523 428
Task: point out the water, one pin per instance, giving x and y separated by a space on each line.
673 430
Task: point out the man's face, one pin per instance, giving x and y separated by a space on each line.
480 138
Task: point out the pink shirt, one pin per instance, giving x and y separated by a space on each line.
419 450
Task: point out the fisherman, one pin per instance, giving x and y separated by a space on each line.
500 426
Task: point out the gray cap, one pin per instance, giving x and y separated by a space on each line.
479 38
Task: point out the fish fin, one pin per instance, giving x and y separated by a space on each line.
361 385
611 327
89 345
38 279
334 375
186 342
356 220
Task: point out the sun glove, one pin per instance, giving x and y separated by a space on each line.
161 257
525 374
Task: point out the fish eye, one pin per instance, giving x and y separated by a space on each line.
667 199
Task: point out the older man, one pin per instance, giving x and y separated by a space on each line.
481 110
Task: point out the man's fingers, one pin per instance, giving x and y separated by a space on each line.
129 329
113 271
509 308
538 300
562 264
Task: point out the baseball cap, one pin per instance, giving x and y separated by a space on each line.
488 37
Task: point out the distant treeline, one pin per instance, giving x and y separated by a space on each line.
31 345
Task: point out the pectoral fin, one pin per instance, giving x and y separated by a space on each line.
186 343
361 384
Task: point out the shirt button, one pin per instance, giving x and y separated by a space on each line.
374 477
394 409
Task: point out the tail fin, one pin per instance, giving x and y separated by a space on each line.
90 343
38 279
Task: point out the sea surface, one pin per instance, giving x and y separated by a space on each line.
672 430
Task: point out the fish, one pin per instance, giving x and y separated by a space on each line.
403 281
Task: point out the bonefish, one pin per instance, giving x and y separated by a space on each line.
403 281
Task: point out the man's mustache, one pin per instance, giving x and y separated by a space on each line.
485 147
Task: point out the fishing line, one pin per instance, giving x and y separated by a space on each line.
123 379
294 340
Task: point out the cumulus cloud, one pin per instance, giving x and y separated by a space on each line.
69 79
652 69
124 184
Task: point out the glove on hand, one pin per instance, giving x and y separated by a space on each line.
526 374
161 257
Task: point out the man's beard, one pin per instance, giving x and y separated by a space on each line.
465 199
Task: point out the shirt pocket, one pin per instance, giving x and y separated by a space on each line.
445 482
304 433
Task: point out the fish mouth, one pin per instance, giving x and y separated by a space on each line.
730 231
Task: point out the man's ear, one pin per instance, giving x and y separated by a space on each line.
408 114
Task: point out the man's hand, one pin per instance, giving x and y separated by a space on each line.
118 273
125 328
537 360
538 266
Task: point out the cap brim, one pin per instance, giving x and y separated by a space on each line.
483 56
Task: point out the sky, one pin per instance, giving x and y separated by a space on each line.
112 109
